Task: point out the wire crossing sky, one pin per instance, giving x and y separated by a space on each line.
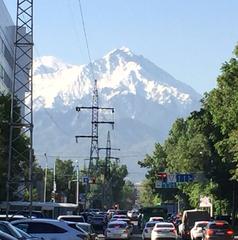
188 39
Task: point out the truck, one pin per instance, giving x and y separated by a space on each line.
189 218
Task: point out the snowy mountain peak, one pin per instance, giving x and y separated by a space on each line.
119 73
48 64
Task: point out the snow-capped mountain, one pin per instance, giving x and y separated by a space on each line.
146 100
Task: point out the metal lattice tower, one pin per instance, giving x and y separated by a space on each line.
21 119
107 188
94 150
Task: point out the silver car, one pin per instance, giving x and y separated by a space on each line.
117 230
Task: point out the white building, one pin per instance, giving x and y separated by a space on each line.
7 37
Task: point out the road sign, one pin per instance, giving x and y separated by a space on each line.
171 178
85 179
184 177
160 184
205 202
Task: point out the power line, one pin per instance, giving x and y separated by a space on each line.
86 39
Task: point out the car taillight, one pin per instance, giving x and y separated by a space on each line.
209 232
173 231
230 232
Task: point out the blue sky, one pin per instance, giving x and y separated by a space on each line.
187 38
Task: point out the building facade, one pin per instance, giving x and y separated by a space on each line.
7 37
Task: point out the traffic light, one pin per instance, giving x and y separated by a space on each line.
162 176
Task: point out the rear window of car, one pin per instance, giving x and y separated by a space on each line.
73 219
117 225
165 226
150 225
201 225
219 226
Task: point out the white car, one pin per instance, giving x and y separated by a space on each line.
48 229
197 230
146 234
117 230
164 230
71 218
156 219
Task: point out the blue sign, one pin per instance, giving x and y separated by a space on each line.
184 177
85 179
160 184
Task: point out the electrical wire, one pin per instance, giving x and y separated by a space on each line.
86 39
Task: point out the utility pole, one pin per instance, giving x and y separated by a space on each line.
45 180
94 152
54 182
21 121
107 171
77 184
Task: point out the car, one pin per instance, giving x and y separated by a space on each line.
164 230
48 229
71 218
117 230
13 231
146 233
121 212
218 230
11 217
5 236
98 223
89 229
156 219
197 230
127 220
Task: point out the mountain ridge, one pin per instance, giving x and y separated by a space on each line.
147 100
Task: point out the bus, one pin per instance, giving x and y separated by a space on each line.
147 212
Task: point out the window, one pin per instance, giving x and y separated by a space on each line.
38 227
8 56
1 72
1 46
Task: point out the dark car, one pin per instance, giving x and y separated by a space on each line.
99 224
218 230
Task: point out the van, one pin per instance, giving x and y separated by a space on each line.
188 220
